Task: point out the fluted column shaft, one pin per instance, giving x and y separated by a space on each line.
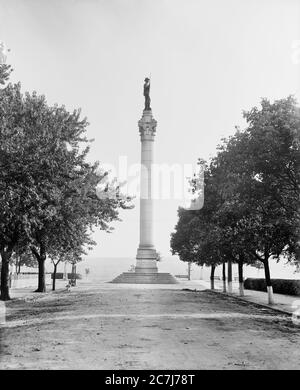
146 206
146 255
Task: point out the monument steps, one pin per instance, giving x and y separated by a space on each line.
145 278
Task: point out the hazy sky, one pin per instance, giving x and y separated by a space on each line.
209 60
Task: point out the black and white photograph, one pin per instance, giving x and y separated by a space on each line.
149 188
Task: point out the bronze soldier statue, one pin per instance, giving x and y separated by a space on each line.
147 94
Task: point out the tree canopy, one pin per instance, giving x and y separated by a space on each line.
49 195
251 195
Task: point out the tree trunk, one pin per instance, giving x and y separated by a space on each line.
54 277
224 276
19 268
212 277
41 258
5 256
189 271
201 273
268 281
41 281
229 276
241 277
65 271
73 275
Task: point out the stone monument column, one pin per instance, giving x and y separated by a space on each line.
146 258
146 253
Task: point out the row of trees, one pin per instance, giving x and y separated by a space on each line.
49 192
251 196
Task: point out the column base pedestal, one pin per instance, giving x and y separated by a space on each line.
145 278
146 271
146 260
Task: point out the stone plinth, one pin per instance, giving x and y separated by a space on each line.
145 278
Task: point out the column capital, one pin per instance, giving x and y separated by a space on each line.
147 126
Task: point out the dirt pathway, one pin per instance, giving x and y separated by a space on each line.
107 327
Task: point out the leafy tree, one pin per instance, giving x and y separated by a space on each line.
69 245
5 71
16 192
23 256
182 242
261 169
47 188
195 237
158 256
68 187
73 256
251 207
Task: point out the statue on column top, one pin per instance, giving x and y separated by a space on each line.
147 94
